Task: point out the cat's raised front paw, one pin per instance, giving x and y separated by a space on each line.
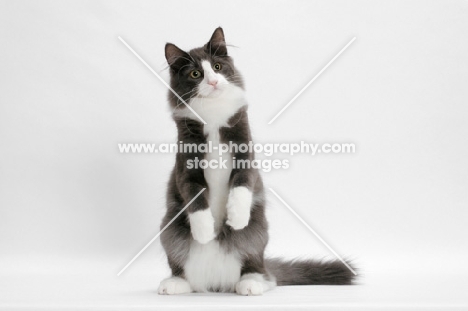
202 226
174 286
238 207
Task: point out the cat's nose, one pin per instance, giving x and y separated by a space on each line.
213 82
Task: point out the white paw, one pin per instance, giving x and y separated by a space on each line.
238 207
202 226
249 287
174 286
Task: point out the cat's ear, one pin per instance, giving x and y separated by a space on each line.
217 44
175 57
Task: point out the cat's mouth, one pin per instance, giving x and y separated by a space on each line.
211 91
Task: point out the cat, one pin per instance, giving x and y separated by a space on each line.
217 244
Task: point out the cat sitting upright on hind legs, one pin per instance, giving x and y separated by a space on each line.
218 243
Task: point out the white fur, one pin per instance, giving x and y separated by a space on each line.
217 178
238 207
174 286
253 284
202 226
209 266
215 105
213 83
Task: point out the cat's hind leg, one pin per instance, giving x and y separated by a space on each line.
174 286
254 284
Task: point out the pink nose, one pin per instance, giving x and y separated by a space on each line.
213 82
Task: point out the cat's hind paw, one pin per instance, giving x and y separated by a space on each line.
249 287
174 286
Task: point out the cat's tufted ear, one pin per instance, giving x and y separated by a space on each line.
217 44
175 57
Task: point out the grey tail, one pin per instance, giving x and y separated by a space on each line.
309 272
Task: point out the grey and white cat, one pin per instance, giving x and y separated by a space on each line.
218 243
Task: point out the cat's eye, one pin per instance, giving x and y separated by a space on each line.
217 66
195 74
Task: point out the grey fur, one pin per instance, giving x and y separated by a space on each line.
184 184
309 272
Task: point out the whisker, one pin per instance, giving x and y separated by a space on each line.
179 102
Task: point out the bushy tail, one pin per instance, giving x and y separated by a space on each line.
309 272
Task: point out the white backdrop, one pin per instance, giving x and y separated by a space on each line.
70 92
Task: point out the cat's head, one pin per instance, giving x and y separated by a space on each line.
205 72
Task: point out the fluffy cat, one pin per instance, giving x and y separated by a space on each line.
218 243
